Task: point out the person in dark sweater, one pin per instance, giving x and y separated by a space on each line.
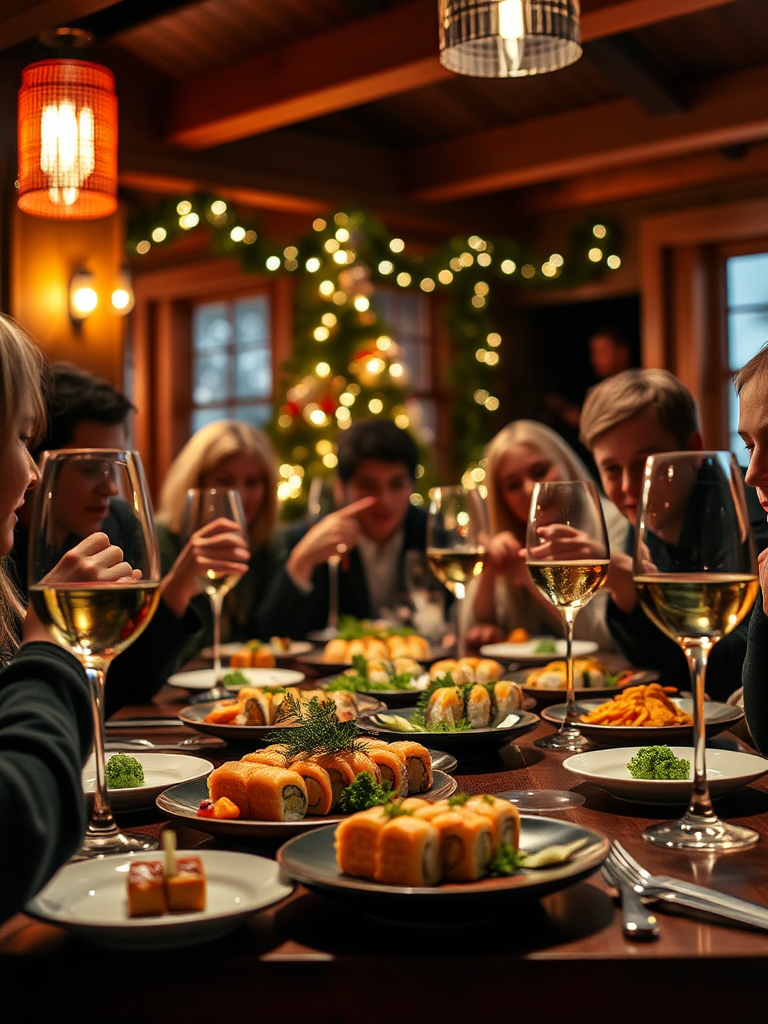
87 412
624 419
751 383
374 525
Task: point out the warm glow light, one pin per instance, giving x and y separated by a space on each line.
614 262
508 267
273 263
397 245
319 224
383 343
331 245
323 370
484 259
326 288
122 298
321 334
159 235
218 207
188 221
385 267
403 279
595 254
312 265
183 207
528 271
330 460
445 277
402 421
340 257
342 235
494 339
556 259
361 303
375 406
396 370
375 365
237 234
599 231
329 319
427 285
83 298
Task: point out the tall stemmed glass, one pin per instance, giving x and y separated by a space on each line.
204 505
696 577
567 557
95 599
457 543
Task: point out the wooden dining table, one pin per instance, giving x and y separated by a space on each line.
310 958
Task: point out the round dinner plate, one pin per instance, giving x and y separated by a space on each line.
717 717
194 716
528 651
89 897
392 698
311 860
726 770
160 772
469 743
295 648
182 802
317 659
542 695
267 678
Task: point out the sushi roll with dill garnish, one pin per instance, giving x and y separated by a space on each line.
478 706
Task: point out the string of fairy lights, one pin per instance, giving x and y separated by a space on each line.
346 360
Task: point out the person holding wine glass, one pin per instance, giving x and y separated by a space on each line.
625 419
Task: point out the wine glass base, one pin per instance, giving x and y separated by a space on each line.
543 801
566 739
115 842
693 835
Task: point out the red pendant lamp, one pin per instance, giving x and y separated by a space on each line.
67 132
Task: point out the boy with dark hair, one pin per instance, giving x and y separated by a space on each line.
374 525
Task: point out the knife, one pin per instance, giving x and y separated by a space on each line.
143 723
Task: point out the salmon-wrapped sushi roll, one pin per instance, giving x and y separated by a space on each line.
507 697
375 648
356 839
391 768
346 704
426 809
445 666
445 705
478 707
418 764
318 783
277 794
417 646
359 761
339 771
504 818
408 852
232 780
466 844
257 705
267 756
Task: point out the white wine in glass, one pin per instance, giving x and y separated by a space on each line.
204 505
567 557
696 577
457 543
94 580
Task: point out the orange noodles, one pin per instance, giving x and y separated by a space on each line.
640 705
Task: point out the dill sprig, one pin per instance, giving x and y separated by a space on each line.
316 729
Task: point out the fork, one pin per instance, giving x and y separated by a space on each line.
637 921
687 894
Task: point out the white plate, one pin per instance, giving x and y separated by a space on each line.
527 651
89 898
205 678
717 717
726 770
295 648
160 772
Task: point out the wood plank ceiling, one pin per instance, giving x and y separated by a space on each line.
293 104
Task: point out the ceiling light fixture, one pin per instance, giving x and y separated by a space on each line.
67 132
508 38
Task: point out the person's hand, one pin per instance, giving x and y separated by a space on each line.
219 546
335 534
762 574
505 559
484 633
559 542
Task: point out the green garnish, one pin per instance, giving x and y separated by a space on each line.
124 772
506 861
359 680
351 628
317 730
363 793
545 647
235 679
658 763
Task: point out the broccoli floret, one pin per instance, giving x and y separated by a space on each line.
363 793
124 772
658 763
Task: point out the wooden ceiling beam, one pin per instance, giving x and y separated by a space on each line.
366 60
724 111
45 14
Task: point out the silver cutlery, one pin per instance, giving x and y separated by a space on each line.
144 723
637 920
190 743
687 894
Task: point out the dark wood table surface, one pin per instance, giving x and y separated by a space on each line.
309 958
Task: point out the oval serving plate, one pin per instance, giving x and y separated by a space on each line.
311 860
266 678
717 718
318 660
541 695
726 770
194 716
470 743
182 802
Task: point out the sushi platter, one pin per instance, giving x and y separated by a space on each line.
469 743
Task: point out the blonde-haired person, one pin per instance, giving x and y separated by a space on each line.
226 454
521 455
46 724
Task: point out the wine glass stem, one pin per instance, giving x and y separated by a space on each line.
701 802
461 626
333 591
217 601
569 615
101 820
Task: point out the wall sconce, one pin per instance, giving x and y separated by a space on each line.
122 299
67 130
83 298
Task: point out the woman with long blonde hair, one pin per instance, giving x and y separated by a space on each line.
504 597
227 454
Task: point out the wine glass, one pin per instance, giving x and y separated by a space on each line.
696 578
204 505
567 557
457 543
425 595
91 601
320 501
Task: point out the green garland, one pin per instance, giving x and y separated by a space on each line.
345 364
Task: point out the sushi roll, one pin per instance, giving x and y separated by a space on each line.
466 844
408 853
417 646
391 768
446 704
346 705
447 666
339 771
267 756
504 818
356 839
418 764
375 648
257 707
336 650
487 670
232 780
478 707
507 697
277 794
359 761
318 783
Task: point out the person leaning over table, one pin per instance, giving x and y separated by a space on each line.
87 412
373 527
234 455
504 597
46 723
751 383
624 419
